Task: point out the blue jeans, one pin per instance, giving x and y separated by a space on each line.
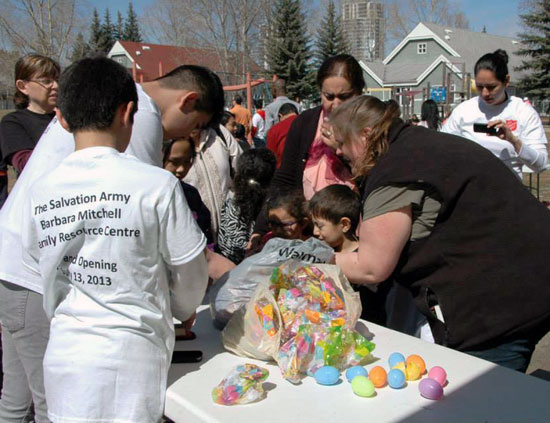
514 354
25 333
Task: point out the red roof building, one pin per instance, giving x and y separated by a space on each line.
154 60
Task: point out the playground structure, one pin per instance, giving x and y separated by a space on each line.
446 95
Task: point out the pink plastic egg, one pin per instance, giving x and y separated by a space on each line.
430 389
438 374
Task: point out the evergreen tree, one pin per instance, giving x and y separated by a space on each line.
119 27
331 39
484 30
80 48
95 32
536 50
107 33
131 28
288 54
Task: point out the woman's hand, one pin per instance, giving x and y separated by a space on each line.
505 133
327 135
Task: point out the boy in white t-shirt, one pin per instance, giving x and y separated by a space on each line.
113 239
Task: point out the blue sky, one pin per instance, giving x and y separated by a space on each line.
501 17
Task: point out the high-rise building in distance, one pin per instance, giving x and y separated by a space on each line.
364 25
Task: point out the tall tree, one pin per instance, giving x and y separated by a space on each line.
536 50
95 32
131 28
230 29
119 27
80 48
404 15
330 39
42 26
107 33
288 48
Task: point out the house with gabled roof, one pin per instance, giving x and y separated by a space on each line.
433 56
149 61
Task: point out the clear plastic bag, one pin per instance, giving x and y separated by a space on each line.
303 320
236 288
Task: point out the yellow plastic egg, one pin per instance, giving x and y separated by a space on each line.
401 366
412 372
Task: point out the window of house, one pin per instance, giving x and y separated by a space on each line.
421 48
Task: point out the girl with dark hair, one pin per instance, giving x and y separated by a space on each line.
309 162
255 169
35 99
519 139
178 158
429 117
288 215
433 218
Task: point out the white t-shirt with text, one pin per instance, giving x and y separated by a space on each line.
104 241
54 145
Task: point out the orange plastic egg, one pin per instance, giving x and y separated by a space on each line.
419 361
378 376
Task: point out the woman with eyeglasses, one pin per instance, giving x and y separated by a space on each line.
23 389
35 100
309 160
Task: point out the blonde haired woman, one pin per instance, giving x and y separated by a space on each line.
434 217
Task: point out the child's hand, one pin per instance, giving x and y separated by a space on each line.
254 245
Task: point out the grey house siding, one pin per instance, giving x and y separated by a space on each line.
371 83
409 53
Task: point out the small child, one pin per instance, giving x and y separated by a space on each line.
287 216
107 234
178 158
255 169
335 212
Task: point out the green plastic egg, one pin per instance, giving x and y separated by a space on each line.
362 386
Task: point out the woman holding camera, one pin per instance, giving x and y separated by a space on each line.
514 131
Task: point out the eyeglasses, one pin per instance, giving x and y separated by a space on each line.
281 224
44 82
341 96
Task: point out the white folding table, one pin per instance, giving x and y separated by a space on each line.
477 390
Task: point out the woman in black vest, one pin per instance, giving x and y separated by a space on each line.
451 223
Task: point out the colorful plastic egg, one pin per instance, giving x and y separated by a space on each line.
362 386
419 361
438 374
401 366
412 372
396 358
430 389
378 376
355 371
396 379
327 375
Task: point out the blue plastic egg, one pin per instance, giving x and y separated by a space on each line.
396 379
396 358
356 371
327 375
